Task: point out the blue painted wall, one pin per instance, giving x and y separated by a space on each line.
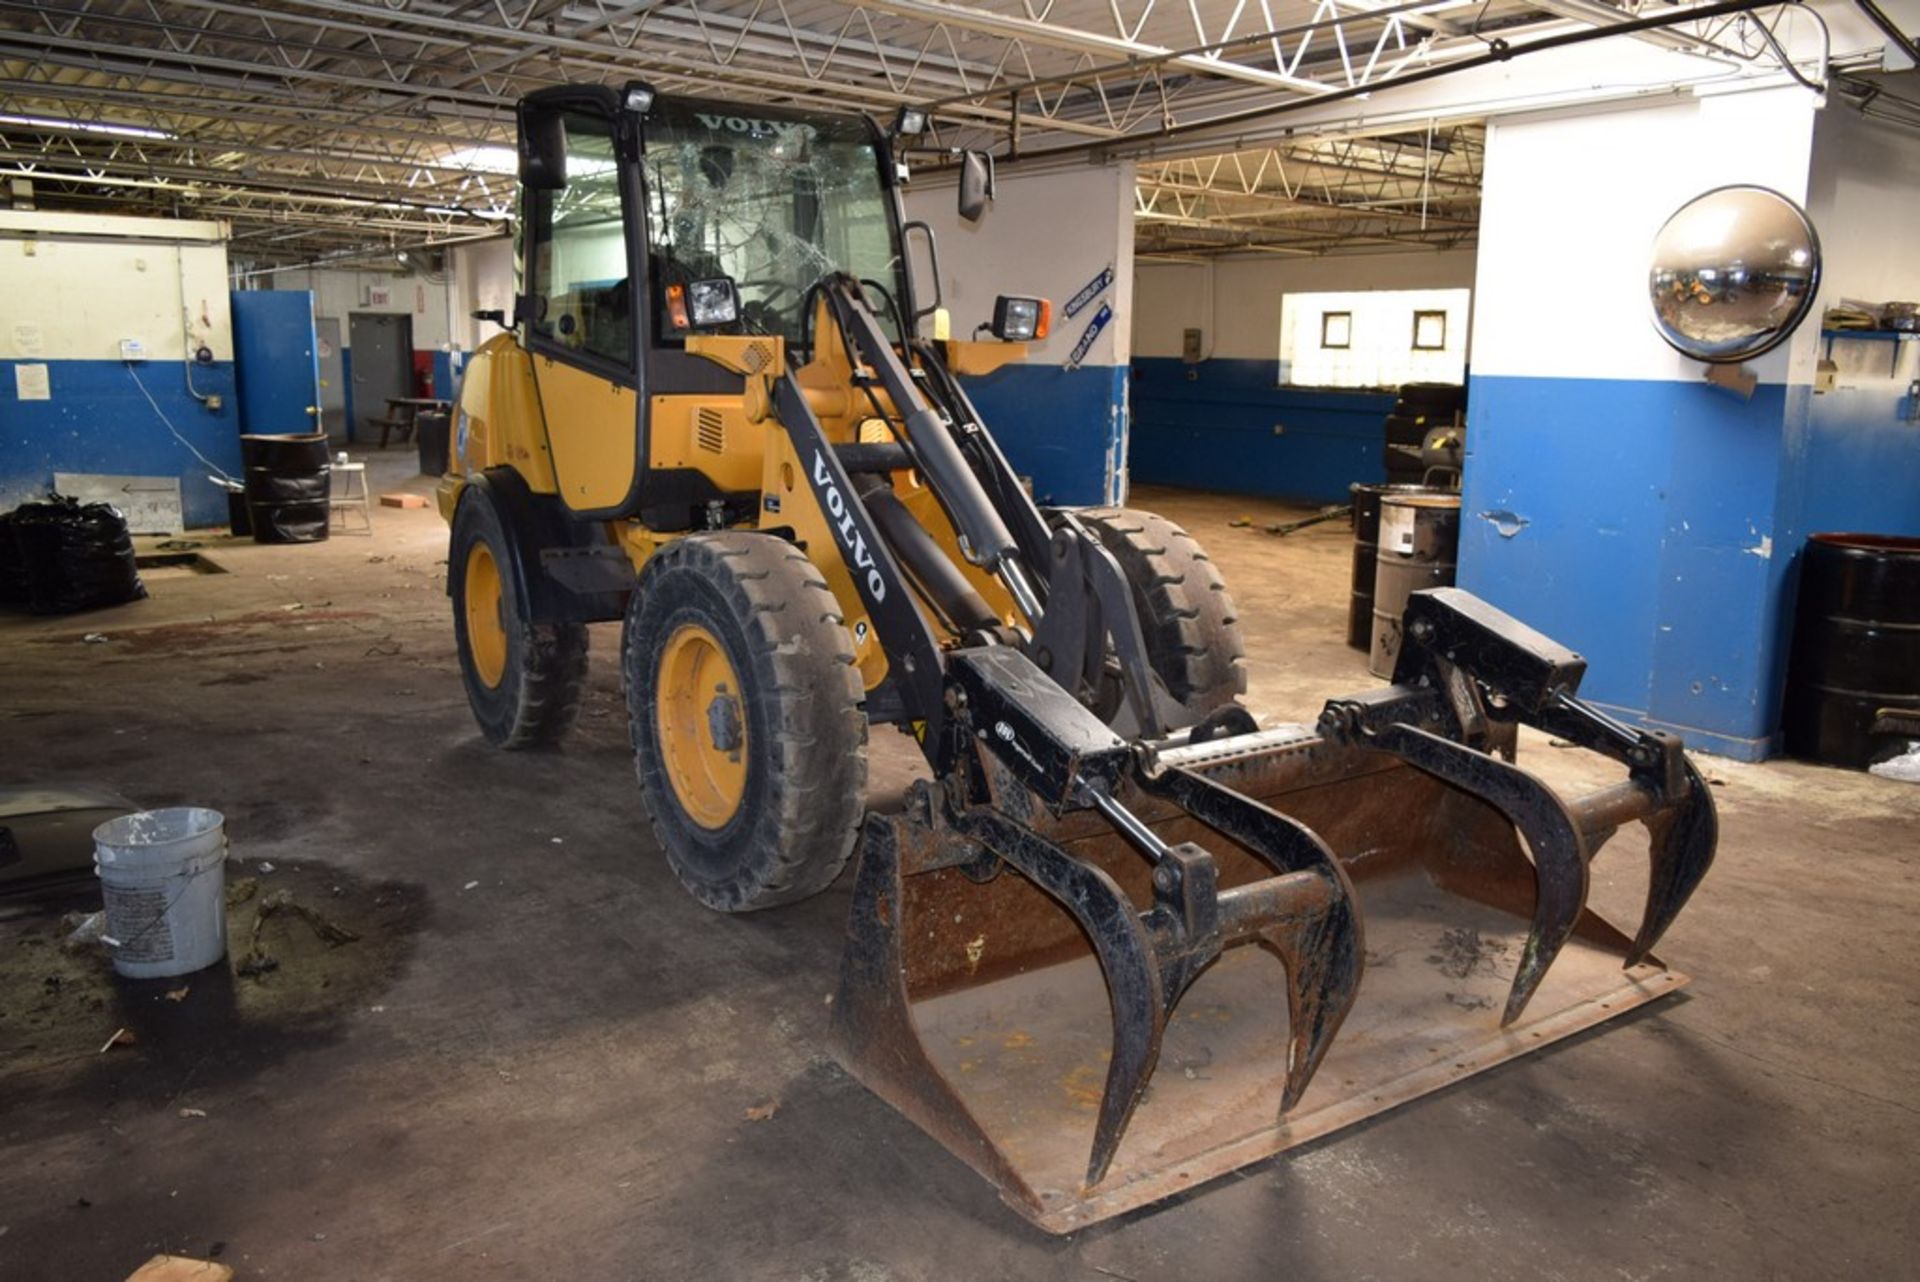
98 421
1211 426
1657 526
1064 428
1634 521
443 384
1857 463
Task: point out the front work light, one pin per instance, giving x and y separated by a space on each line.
910 121
1021 320
712 302
639 98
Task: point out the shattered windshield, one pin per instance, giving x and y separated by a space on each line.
771 201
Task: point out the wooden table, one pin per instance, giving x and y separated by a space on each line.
403 410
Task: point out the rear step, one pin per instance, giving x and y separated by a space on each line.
969 998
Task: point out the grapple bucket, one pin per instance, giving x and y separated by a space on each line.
1101 1005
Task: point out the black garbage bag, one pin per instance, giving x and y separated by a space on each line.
77 556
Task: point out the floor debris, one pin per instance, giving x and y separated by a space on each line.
763 1112
1462 951
121 1037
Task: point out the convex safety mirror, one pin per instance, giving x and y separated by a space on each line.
1734 273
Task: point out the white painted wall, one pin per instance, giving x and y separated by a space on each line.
482 281
72 293
1865 184
339 291
1235 301
1569 209
1047 235
1380 333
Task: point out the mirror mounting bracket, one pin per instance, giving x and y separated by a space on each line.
1738 379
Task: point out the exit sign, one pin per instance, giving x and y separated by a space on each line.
379 296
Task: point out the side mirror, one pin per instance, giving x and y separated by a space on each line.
543 151
495 315
976 184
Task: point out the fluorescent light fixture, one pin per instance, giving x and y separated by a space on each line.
85 126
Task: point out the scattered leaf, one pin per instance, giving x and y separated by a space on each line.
763 1112
121 1037
179 994
193 1112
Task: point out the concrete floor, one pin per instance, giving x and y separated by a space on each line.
538 1061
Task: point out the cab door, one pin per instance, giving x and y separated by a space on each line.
581 318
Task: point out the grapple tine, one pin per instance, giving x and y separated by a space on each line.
1553 839
1682 840
1321 946
1322 954
1121 944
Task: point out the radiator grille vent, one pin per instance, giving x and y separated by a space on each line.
710 432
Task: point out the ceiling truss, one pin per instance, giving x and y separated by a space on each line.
321 127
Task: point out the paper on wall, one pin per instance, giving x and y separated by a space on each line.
28 340
30 383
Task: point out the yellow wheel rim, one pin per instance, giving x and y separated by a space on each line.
702 724
486 616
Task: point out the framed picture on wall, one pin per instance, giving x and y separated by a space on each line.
1429 331
1336 330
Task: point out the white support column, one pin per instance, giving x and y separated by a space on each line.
1062 416
1614 499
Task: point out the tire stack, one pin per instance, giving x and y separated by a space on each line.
1420 408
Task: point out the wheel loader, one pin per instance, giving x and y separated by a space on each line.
729 412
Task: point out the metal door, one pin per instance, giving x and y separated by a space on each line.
333 377
380 357
273 355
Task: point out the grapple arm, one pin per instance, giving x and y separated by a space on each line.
1466 669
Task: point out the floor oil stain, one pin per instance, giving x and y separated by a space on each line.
306 946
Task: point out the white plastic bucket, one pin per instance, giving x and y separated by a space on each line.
163 876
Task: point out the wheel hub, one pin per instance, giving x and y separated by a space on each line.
485 616
701 726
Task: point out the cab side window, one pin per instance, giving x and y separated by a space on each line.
578 272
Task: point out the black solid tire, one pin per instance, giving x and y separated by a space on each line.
539 692
806 730
1192 630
